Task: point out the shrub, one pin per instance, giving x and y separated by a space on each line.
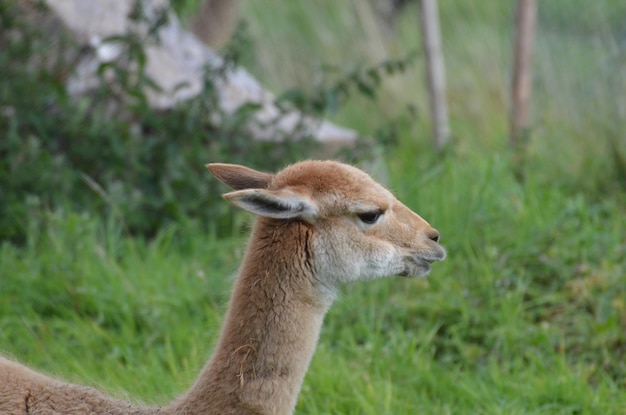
110 153
143 165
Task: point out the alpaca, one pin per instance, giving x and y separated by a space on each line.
319 224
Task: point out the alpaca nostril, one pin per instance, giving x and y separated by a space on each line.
433 235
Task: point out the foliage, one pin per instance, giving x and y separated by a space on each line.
144 166
526 315
112 153
335 87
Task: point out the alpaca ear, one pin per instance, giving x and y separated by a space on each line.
277 204
240 177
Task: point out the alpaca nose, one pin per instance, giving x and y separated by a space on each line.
433 234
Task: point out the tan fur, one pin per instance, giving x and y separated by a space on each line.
309 237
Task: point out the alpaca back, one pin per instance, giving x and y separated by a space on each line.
24 391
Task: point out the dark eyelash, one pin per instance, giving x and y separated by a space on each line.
370 218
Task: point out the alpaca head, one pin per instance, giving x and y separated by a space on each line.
359 229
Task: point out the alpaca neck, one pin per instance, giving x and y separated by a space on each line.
270 332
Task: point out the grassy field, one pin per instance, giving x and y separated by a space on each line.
527 315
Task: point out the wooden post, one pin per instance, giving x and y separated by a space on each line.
521 85
435 70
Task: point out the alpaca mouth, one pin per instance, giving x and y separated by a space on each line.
418 265
429 257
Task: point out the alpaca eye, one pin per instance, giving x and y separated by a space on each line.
370 218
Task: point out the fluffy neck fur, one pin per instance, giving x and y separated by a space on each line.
258 366
270 332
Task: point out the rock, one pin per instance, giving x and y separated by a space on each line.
176 64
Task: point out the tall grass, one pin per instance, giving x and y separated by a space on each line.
85 300
526 315
578 68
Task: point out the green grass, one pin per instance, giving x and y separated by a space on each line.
527 315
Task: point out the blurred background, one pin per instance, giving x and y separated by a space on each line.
116 246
